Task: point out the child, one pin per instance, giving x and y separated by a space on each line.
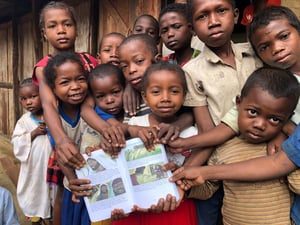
176 33
58 27
267 101
107 84
8 214
66 76
224 67
32 147
143 24
274 28
163 90
108 48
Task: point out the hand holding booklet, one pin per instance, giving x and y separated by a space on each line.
134 178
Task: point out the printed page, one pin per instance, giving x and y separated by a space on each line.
110 189
144 171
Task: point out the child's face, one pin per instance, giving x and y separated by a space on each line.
135 58
30 98
213 21
164 94
175 31
144 25
70 83
278 45
108 94
109 50
59 29
262 116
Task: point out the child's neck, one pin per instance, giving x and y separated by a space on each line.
182 56
155 120
58 51
225 52
70 110
38 115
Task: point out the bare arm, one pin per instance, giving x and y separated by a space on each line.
68 152
204 123
262 168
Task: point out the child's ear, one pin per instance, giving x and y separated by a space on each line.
144 97
157 58
99 58
238 101
236 15
44 36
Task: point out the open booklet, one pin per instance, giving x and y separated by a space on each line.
134 178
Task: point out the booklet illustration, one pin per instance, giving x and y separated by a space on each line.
134 178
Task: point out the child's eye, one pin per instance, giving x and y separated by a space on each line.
99 96
116 92
123 66
63 82
33 96
68 24
139 61
262 48
252 112
175 91
201 17
22 99
284 36
177 26
163 31
275 120
82 78
51 26
221 10
155 92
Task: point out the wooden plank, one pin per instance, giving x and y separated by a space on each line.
6 85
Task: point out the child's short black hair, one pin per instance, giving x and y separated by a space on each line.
56 61
149 42
26 82
104 70
111 34
180 8
270 14
162 65
277 82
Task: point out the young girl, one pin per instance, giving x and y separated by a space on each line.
32 147
108 48
58 27
163 90
143 24
66 76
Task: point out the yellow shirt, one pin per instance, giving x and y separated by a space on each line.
213 83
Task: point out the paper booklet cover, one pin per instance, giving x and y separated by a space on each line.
134 178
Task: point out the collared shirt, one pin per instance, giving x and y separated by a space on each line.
213 83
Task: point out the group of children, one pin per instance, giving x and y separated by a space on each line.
79 102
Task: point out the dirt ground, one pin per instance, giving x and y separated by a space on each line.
9 171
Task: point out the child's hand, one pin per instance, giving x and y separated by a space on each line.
275 144
109 148
191 174
40 130
148 135
68 153
79 188
167 132
118 214
115 136
131 100
89 150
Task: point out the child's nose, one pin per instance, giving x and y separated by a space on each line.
260 124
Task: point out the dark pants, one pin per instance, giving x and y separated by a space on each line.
209 211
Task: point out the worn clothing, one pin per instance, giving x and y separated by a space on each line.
263 202
292 148
213 83
143 110
8 214
172 60
32 189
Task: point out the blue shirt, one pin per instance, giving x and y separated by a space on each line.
103 115
8 215
292 149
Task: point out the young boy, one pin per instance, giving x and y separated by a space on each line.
176 33
274 30
267 101
224 67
